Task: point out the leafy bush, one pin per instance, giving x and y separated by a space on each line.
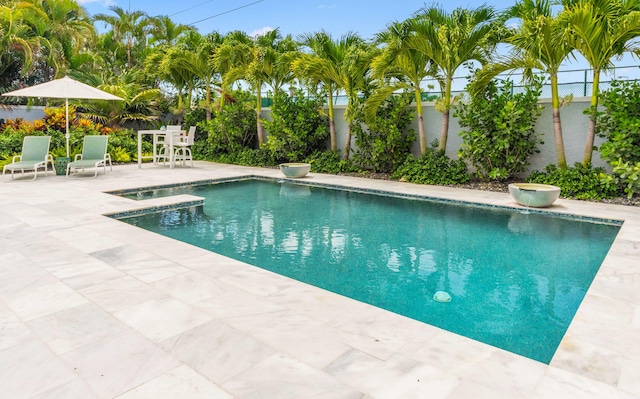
580 182
127 140
11 142
434 167
619 124
232 129
330 162
247 157
194 117
385 142
500 135
298 127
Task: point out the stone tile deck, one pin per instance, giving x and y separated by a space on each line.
94 308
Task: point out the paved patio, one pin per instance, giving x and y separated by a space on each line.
91 307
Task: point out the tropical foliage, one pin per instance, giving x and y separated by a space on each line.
168 72
619 125
498 129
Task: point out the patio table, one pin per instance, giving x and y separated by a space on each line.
157 133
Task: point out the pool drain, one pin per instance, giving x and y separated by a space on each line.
442 296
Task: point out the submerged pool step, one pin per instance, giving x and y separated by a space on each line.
153 205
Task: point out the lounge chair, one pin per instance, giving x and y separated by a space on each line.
35 155
94 154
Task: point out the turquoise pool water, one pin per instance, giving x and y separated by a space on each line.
515 280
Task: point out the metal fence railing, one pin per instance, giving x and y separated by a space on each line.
576 82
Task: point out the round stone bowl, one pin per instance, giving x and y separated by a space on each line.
533 194
295 169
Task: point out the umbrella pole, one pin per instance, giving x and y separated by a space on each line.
66 106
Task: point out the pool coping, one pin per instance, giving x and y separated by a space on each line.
185 204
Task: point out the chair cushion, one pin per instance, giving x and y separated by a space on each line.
85 163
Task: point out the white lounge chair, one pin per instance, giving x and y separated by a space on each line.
94 154
35 155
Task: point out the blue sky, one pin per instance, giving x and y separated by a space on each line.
365 17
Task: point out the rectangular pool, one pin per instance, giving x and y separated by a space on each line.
514 279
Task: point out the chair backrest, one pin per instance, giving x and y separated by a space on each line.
35 148
191 135
174 127
94 147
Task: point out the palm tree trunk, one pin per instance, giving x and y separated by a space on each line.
332 124
557 125
444 131
421 134
347 144
591 130
208 103
258 112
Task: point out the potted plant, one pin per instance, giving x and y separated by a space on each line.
61 160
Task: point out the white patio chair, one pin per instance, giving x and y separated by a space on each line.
183 146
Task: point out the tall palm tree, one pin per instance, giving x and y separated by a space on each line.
277 55
190 64
163 31
63 30
16 42
600 30
128 29
354 79
176 66
398 67
228 55
328 63
537 44
255 62
450 40
205 48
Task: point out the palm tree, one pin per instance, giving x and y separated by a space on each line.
336 65
128 29
257 62
138 105
451 40
163 31
600 30
277 55
354 80
63 30
15 39
399 67
205 48
175 65
537 44
234 50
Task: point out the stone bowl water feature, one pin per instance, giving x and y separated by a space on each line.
533 194
295 169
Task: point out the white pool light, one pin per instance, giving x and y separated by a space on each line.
442 296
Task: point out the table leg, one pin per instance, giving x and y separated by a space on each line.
171 155
139 150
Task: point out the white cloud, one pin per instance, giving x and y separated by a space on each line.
261 31
105 3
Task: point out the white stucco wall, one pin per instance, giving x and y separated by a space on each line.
574 125
24 112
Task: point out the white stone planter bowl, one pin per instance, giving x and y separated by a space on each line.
295 169
533 194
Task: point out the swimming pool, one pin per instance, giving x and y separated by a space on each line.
516 280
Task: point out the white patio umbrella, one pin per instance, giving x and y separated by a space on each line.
63 88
